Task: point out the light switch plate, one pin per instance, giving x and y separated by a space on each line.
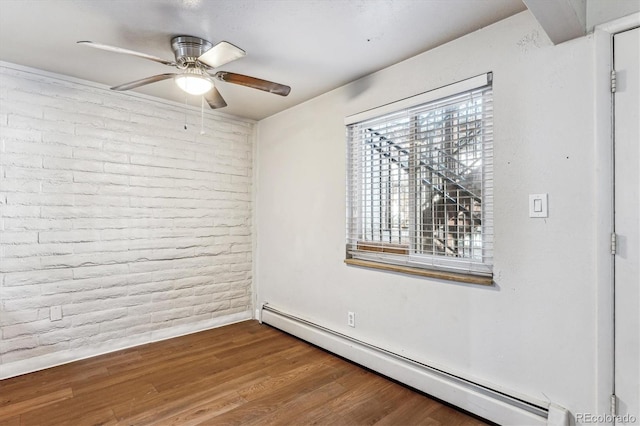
538 205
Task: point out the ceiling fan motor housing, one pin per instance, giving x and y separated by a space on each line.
188 49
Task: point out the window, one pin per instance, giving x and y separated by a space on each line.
420 183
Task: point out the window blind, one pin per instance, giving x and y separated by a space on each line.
420 180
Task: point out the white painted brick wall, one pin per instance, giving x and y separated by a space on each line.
112 210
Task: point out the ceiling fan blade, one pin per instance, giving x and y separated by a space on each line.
220 54
215 99
126 52
256 83
143 81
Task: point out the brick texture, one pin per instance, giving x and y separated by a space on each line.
112 210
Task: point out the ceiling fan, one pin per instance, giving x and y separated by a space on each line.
196 59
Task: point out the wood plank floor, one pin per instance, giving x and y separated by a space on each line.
245 373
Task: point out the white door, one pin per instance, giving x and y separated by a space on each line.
627 221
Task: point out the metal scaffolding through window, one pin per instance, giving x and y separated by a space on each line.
420 184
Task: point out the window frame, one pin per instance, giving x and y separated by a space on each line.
401 257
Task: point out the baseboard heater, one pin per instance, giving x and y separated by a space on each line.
483 401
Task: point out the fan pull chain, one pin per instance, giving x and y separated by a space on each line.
202 116
186 104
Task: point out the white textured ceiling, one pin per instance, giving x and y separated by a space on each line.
311 45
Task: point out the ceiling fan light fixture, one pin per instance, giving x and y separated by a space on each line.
195 58
194 82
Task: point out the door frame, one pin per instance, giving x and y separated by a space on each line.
604 324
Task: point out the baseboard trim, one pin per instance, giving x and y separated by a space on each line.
42 362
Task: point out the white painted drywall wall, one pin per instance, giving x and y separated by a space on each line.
533 332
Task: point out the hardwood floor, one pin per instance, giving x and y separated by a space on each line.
245 373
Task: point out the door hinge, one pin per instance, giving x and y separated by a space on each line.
614 405
613 81
614 242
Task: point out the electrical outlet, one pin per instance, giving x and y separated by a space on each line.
351 319
55 313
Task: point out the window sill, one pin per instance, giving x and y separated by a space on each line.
441 275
